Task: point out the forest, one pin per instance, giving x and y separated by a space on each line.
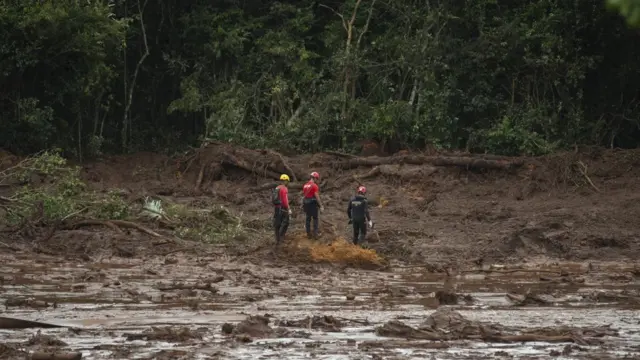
522 77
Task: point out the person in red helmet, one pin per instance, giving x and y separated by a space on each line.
311 204
359 217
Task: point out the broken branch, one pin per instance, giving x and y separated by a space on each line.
583 170
115 225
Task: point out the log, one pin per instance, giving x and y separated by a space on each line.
461 161
263 163
239 163
340 154
405 172
108 224
41 355
283 166
15 323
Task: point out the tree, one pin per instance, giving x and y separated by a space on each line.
630 9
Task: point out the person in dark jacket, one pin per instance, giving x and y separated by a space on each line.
359 217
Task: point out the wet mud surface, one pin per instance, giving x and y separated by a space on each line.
212 308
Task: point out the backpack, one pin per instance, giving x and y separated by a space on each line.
275 196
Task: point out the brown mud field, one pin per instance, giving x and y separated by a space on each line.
472 257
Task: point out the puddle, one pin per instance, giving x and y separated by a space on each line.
105 303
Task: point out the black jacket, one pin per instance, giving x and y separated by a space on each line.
358 208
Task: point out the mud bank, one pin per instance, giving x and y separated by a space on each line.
208 308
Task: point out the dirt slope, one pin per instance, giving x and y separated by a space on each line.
575 205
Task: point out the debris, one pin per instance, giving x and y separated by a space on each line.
402 344
253 327
450 298
167 333
41 355
28 303
10 352
527 299
446 325
182 286
44 340
325 322
339 251
116 225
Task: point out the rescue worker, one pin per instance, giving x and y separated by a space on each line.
311 204
359 217
282 212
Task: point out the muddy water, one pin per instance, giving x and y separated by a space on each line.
107 302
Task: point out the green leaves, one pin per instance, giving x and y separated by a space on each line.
288 74
630 9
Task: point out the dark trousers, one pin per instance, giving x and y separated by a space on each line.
359 231
310 207
280 224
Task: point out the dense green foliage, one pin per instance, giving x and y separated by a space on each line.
506 77
630 9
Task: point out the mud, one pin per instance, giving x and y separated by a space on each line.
535 262
125 309
550 209
547 210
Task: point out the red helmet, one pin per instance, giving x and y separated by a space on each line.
315 175
362 190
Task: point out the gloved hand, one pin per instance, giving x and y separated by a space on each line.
370 224
290 212
350 221
321 208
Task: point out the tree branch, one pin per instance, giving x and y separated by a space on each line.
344 22
355 12
127 109
366 25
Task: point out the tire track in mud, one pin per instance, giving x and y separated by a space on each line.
156 310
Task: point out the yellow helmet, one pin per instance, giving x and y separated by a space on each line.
284 177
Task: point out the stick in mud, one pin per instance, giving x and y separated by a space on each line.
14 323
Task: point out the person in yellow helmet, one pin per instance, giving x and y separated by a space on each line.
282 211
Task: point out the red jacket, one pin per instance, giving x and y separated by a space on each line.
310 189
283 192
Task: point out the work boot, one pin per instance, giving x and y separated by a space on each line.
309 236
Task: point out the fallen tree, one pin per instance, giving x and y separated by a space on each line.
403 172
213 157
465 161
